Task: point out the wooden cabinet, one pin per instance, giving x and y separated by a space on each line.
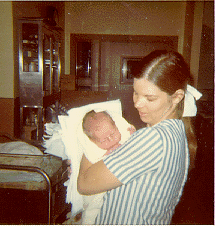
39 73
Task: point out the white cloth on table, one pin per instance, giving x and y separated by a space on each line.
19 147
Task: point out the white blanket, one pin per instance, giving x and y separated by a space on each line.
76 143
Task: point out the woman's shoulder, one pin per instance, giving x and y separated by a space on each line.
146 132
171 125
165 124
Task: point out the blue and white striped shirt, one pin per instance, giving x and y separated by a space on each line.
153 166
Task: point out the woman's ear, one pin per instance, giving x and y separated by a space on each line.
178 96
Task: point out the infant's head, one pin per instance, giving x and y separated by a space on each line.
101 129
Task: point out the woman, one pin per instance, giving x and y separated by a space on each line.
146 175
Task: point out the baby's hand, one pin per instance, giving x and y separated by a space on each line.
131 129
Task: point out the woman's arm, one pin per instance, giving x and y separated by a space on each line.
95 178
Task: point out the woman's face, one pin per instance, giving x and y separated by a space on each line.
152 104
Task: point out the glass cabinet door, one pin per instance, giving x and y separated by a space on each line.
47 78
30 47
30 76
51 66
39 72
56 66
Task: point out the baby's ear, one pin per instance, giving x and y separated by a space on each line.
178 96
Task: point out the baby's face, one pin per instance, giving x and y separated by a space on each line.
106 135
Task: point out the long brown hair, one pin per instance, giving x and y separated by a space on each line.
169 71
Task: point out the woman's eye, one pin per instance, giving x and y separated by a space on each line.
150 99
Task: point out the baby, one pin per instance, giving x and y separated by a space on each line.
101 130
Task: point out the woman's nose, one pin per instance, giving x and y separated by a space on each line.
139 103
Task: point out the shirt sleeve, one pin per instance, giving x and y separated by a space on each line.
141 154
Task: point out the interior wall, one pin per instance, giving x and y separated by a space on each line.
206 64
188 31
7 70
7 116
143 18
111 61
196 40
6 50
176 18
38 9
123 18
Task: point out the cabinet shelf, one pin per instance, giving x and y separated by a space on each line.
30 59
39 73
30 45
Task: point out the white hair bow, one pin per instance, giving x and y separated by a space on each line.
191 96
